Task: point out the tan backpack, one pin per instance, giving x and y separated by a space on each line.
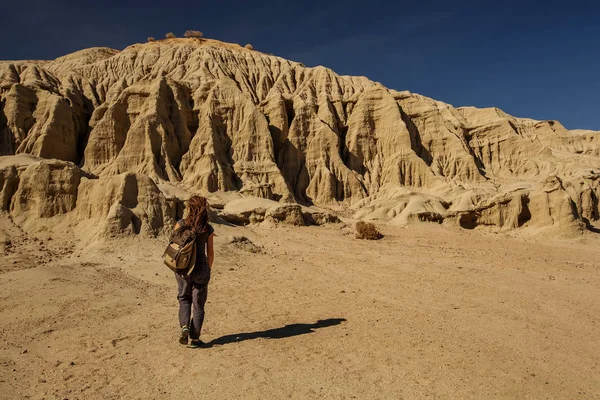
180 254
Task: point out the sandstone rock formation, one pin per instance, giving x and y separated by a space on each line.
255 210
107 131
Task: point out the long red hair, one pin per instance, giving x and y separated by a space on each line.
197 216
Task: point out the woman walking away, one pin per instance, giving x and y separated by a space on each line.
192 289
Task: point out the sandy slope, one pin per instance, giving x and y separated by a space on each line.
427 312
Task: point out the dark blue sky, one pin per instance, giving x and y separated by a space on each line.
532 59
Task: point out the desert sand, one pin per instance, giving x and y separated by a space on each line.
306 312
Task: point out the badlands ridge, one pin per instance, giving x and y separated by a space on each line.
118 139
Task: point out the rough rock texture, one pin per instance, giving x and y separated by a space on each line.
254 210
45 189
9 182
289 214
32 189
129 202
206 116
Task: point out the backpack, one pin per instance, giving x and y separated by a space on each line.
180 254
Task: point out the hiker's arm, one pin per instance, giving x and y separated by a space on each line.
210 251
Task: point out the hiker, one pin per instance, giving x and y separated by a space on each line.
192 288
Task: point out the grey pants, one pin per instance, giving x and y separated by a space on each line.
193 290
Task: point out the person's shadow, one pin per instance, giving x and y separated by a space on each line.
277 333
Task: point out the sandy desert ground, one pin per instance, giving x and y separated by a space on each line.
306 312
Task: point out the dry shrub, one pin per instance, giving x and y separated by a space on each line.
366 230
249 46
170 35
193 34
151 39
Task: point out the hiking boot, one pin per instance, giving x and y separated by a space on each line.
198 344
185 333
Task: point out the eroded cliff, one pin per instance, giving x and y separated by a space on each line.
107 131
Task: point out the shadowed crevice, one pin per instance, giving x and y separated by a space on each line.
84 134
589 226
595 206
525 215
290 112
478 162
6 140
415 139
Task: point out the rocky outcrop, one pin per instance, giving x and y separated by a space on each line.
9 182
45 189
211 117
253 211
33 190
125 203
